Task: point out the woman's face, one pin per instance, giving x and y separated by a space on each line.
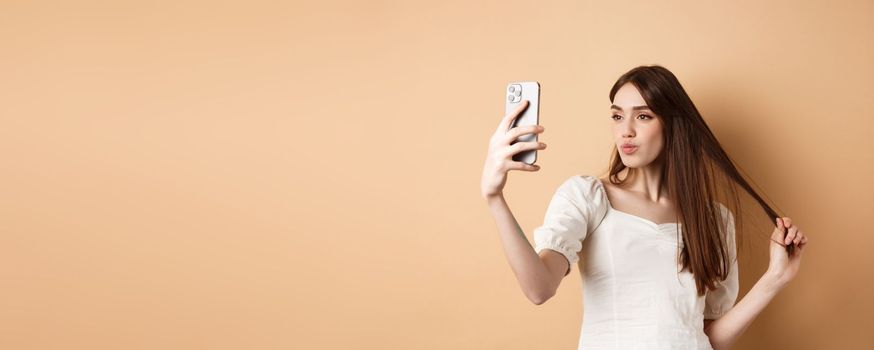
635 123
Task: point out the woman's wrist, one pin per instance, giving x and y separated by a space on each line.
494 197
772 281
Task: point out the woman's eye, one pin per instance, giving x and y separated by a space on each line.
616 116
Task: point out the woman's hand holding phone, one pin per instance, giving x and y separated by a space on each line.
500 156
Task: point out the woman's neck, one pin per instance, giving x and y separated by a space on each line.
646 181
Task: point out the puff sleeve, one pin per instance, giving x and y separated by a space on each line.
722 299
577 207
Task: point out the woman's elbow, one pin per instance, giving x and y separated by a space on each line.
540 297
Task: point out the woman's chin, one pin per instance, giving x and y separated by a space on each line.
632 164
629 163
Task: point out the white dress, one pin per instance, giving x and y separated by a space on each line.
634 296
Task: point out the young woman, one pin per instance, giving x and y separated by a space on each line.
654 243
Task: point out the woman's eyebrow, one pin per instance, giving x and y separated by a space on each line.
635 108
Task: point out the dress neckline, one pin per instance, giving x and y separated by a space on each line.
650 222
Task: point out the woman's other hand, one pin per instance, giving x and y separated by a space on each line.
784 267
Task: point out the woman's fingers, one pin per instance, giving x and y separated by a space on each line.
507 121
787 233
523 166
505 134
799 237
524 146
514 133
790 235
778 235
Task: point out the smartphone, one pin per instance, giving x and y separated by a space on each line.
517 92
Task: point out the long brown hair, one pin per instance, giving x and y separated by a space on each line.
697 174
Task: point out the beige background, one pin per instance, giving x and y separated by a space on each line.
273 175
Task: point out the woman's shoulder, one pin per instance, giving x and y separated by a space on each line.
584 181
584 187
724 212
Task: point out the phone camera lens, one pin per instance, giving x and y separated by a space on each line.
511 89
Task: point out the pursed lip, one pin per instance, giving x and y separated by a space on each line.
628 149
629 145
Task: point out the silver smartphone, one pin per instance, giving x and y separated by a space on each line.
516 92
